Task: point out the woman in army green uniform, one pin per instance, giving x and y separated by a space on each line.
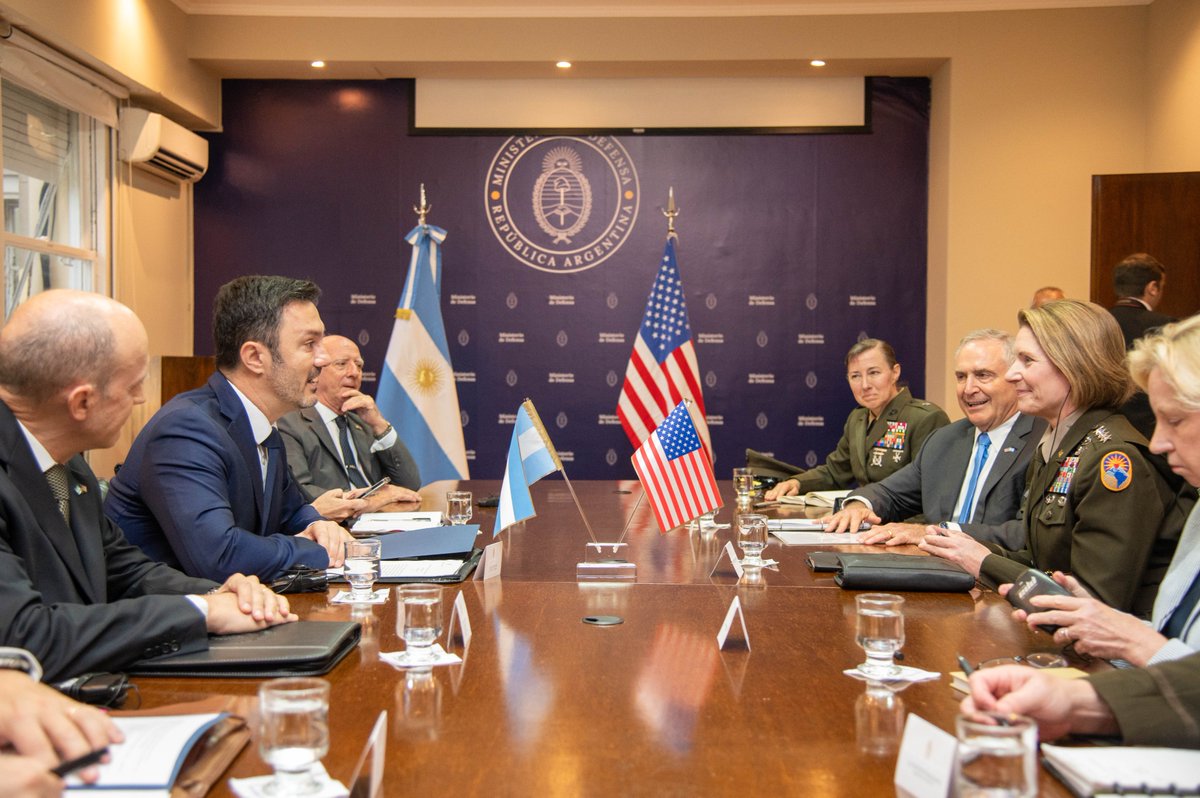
881 436
1097 504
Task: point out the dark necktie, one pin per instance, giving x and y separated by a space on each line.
1179 617
356 477
56 475
981 453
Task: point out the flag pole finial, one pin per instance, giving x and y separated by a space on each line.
423 209
671 211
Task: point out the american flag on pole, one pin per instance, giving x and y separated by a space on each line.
662 370
675 471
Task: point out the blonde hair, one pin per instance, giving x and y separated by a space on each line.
1084 342
1175 351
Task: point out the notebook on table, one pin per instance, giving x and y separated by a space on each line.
301 648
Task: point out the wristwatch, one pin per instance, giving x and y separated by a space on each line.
385 433
18 659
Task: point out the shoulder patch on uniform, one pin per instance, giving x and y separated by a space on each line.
1116 471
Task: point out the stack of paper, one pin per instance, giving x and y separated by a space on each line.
1104 770
372 523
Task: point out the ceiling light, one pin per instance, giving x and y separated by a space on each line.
318 64
563 65
817 62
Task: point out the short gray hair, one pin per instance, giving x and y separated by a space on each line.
990 334
59 350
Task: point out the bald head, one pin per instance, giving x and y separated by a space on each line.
58 339
1049 293
343 375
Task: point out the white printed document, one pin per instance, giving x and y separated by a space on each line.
395 522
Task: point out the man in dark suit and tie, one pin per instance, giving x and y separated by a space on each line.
970 472
343 441
206 487
73 591
1138 281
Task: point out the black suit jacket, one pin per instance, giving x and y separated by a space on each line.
1135 322
80 597
314 458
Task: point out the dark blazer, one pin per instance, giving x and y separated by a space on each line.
930 484
1135 322
868 454
80 597
315 460
190 493
1116 535
1158 705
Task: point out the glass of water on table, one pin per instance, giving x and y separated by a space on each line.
458 506
361 567
419 620
293 732
880 632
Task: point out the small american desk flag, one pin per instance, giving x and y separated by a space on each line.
675 471
662 368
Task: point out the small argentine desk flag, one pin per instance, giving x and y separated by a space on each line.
531 456
416 387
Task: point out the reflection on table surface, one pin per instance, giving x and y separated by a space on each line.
545 704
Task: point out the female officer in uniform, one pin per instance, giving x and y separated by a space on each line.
1096 504
881 436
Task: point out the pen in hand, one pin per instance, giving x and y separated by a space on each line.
64 769
966 666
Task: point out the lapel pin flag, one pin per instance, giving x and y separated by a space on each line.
675 471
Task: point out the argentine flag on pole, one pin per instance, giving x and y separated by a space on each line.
416 387
531 456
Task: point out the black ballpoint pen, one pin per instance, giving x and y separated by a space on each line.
64 769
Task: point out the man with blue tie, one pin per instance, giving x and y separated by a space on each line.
206 487
969 473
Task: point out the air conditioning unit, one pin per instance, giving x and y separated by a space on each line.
157 144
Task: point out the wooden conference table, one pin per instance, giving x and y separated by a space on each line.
546 705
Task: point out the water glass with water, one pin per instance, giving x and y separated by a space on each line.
997 756
293 732
362 567
458 506
751 537
743 486
419 620
880 632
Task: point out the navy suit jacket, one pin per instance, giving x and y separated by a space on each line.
930 484
80 597
190 493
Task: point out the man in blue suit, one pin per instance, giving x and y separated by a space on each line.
206 487
968 474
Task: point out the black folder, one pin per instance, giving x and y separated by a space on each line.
300 648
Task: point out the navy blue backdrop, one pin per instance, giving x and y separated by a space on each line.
792 247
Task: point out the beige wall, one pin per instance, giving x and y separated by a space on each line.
1173 87
142 43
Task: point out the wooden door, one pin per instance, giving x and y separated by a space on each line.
1154 213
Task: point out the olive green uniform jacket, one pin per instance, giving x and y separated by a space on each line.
1101 511
867 455
1159 705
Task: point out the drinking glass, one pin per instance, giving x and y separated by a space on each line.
880 632
878 720
362 567
996 756
419 621
743 486
458 506
752 537
293 733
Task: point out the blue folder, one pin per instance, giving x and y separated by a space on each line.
430 542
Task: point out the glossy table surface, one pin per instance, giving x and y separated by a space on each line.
546 704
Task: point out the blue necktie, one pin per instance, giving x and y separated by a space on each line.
1175 625
981 451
